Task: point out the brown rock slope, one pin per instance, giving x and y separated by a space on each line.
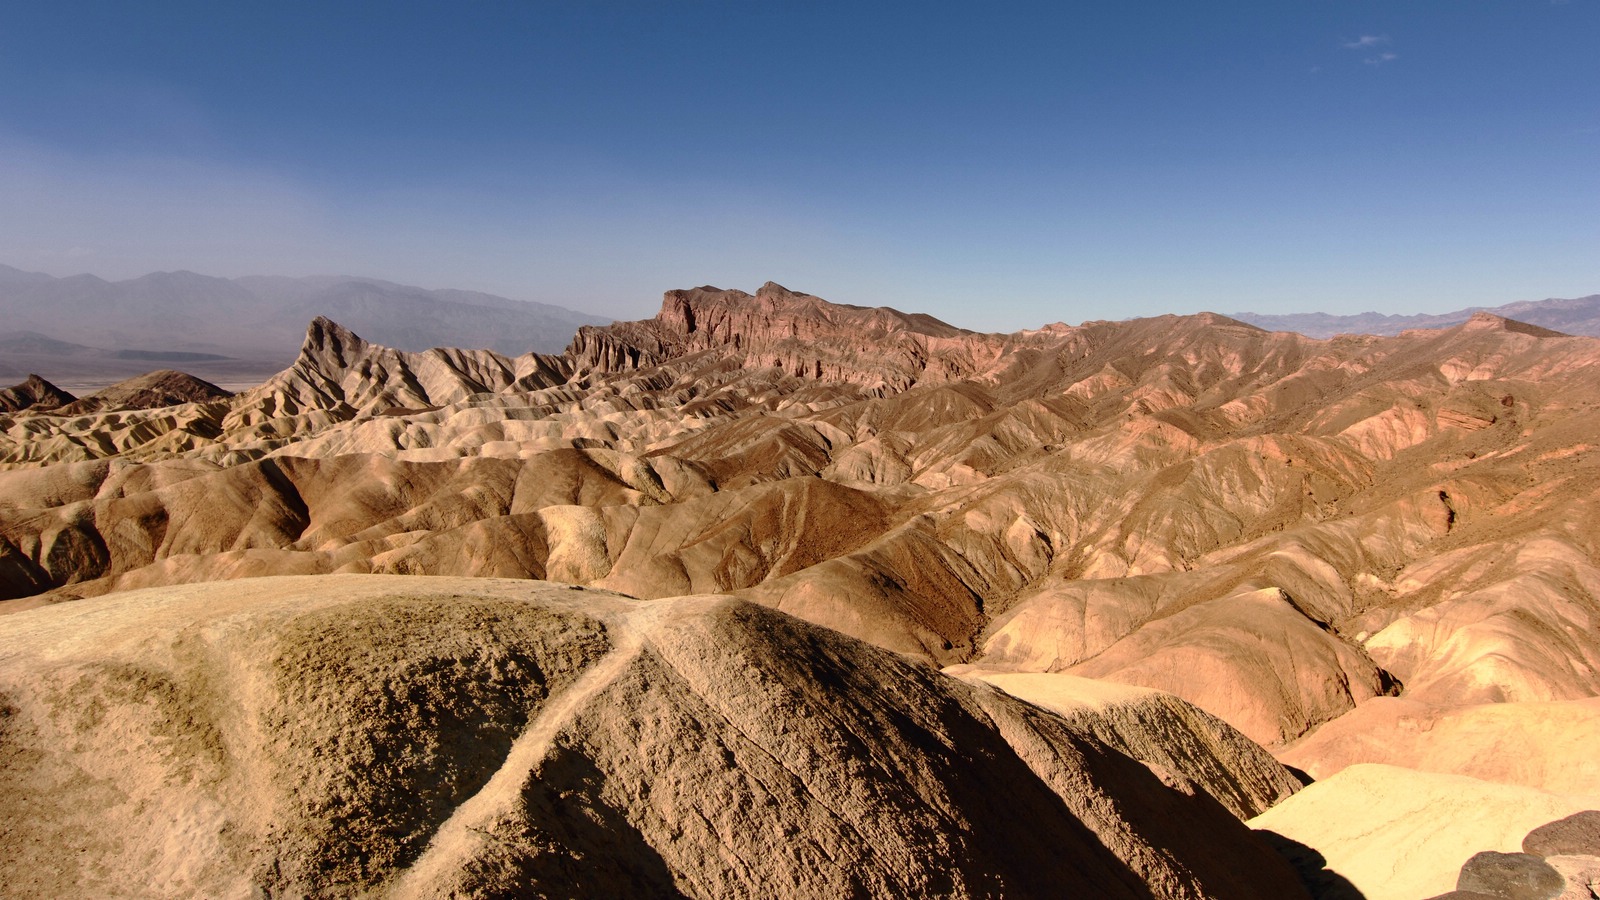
1274 528
151 390
1170 736
33 393
406 737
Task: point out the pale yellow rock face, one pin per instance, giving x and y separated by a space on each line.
1399 834
1549 746
387 736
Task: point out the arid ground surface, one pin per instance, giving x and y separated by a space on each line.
1158 561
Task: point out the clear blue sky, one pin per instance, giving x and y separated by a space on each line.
999 165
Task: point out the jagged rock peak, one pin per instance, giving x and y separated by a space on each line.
323 330
33 393
326 337
339 372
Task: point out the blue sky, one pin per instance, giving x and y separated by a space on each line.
998 165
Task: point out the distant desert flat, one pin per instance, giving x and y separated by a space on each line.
695 578
85 333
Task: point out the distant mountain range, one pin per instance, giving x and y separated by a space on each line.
172 316
83 332
1580 315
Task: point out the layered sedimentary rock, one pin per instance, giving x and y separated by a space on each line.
878 349
1274 528
432 737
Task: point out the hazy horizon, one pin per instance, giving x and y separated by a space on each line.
751 289
996 168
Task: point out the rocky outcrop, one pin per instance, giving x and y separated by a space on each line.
1575 835
152 390
797 334
371 377
1512 876
426 737
338 377
1560 860
33 393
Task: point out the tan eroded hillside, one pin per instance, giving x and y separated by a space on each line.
366 736
1274 528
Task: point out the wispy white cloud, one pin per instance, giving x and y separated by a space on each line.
1381 58
1366 41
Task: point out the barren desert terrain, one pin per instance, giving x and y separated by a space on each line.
696 578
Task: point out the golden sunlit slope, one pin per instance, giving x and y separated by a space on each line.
363 736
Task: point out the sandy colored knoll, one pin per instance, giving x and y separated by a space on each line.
1548 746
1399 834
430 737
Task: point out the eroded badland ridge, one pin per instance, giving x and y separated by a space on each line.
1355 550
